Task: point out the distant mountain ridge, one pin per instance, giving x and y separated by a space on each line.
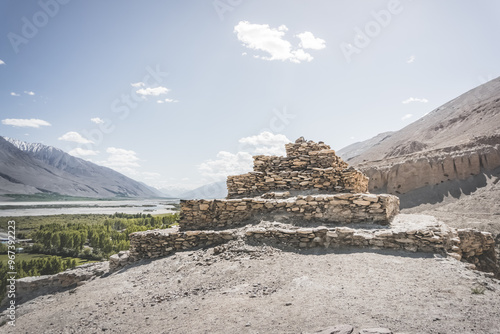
359 148
451 151
215 190
460 121
31 168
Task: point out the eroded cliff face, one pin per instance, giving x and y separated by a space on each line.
406 173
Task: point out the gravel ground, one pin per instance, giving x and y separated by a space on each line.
241 288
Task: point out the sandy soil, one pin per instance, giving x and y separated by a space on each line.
263 289
479 209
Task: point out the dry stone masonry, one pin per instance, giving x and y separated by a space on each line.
407 232
309 167
337 208
310 184
310 198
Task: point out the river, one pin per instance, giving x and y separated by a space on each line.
152 206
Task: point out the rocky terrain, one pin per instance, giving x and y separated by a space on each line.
39 169
265 288
446 165
449 152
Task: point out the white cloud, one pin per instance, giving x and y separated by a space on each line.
226 164
150 175
407 116
29 123
138 84
14 94
167 101
29 93
300 55
96 120
414 99
2 62
152 91
410 60
126 162
265 143
80 152
75 137
308 41
264 38
119 157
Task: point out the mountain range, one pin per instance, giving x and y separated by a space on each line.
451 151
27 168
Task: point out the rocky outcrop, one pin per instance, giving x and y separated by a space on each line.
403 174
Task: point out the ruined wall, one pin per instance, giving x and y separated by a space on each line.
319 180
30 287
337 208
152 244
468 244
307 166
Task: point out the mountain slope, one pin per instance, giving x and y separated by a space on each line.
35 168
460 121
209 191
444 154
359 148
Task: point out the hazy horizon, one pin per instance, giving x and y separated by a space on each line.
177 94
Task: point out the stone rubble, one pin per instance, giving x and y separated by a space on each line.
348 329
29 287
433 237
308 166
311 195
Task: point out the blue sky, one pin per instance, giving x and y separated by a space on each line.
182 93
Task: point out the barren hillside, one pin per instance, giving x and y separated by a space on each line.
447 154
264 289
462 121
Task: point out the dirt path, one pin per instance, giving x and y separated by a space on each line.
250 289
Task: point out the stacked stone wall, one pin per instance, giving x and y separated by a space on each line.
320 159
153 244
303 147
468 244
336 209
308 166
314 180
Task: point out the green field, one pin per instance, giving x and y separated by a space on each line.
26 224
43 197
26 257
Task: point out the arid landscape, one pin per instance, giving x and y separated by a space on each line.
249 167
268 286
264 289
